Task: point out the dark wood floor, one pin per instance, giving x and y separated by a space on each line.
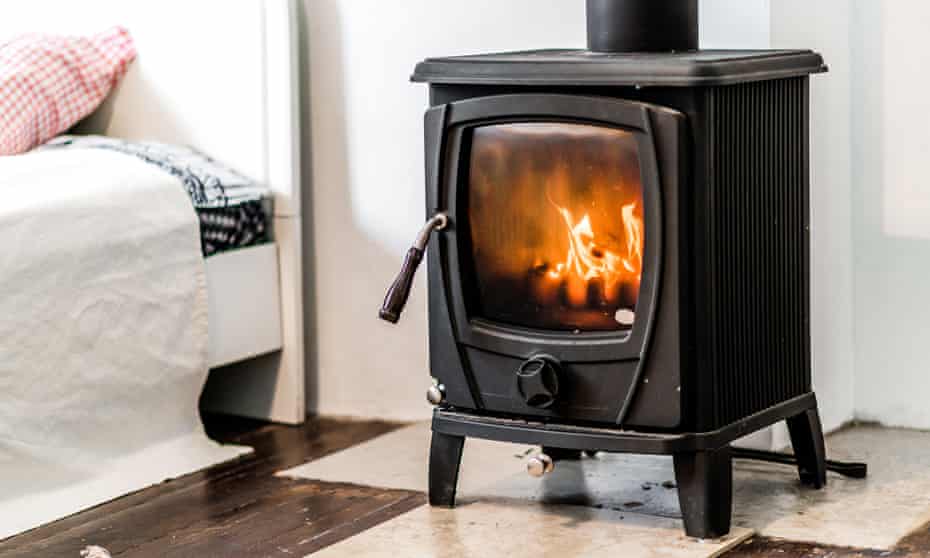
240 509
235 509
915 546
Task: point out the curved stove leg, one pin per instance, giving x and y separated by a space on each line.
807 441
445 456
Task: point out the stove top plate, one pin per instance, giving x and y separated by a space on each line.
645 69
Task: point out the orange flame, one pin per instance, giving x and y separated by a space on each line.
634 239
586 260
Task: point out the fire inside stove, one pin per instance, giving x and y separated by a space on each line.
556 225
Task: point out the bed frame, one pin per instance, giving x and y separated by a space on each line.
223 77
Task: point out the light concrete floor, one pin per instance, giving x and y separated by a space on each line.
596 504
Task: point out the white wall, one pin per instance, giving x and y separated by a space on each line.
824 26
871 142
891 152
367 178
365 123
735 24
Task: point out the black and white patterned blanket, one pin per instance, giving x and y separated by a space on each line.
210 184
233 209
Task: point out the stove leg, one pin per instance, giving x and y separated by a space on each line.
807 441
445 455
705 491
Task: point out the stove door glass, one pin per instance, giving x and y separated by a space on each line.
555 215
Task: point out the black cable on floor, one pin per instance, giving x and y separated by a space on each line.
853 470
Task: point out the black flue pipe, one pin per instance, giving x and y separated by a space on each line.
642 25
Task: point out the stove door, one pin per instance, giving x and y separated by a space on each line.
554 256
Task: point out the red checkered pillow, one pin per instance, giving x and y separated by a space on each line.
48 83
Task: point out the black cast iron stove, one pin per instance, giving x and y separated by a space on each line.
622 252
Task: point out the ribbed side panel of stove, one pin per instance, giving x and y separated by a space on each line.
758 229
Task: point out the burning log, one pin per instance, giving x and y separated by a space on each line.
543 288
575 291
597 292
628 294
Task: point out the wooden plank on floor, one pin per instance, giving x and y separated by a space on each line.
764 547
334 528
282 522
208 498
917 543
276 447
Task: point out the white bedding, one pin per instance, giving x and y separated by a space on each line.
103 333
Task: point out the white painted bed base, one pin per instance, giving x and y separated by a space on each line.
243 327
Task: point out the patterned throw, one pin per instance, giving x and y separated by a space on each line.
233 210
48 83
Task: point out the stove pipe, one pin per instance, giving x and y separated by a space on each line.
642 25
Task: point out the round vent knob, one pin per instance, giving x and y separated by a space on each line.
538 381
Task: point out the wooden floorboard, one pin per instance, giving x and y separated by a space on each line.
761 547
916 545
332 528
237 508
283 521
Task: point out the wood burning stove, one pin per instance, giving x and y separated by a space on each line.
623 257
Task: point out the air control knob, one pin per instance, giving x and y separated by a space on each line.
538 381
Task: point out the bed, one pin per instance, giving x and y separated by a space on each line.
107 338
245 78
